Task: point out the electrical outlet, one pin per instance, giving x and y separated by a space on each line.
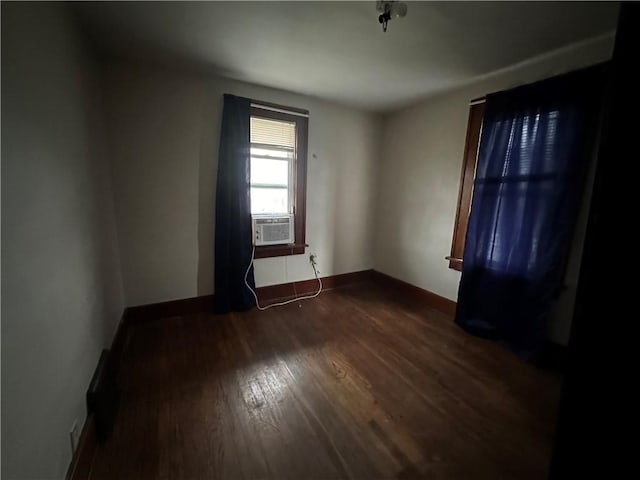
74 436
313 259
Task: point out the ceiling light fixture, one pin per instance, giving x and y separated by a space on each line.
389 10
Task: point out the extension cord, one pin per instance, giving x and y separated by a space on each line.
279 304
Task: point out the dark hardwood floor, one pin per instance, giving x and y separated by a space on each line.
357 383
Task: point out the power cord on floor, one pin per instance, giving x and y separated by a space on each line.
279 304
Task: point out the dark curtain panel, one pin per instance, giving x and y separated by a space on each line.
233 210
599 402
534 152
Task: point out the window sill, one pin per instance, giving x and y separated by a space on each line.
267 251
454 263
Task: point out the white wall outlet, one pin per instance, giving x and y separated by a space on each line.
74 436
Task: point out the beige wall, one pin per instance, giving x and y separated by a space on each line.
164 129
420 174
61 283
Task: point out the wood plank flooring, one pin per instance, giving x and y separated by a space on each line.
357 383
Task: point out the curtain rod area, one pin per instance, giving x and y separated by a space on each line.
476 101
277 108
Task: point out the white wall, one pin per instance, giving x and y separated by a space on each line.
164 128
420 174
61 282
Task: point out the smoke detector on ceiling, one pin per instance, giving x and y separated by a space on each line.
389 10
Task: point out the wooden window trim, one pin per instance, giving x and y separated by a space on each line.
467 176
300 180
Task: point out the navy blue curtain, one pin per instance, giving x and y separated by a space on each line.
233 209
534 151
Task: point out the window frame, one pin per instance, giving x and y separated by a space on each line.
467 177
301 119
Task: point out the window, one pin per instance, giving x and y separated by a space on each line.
476 113
272 155
279 169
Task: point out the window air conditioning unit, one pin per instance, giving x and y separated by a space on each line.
272 229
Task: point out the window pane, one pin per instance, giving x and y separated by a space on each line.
269 200
283 153
270 172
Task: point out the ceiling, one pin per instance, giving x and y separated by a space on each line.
337 50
